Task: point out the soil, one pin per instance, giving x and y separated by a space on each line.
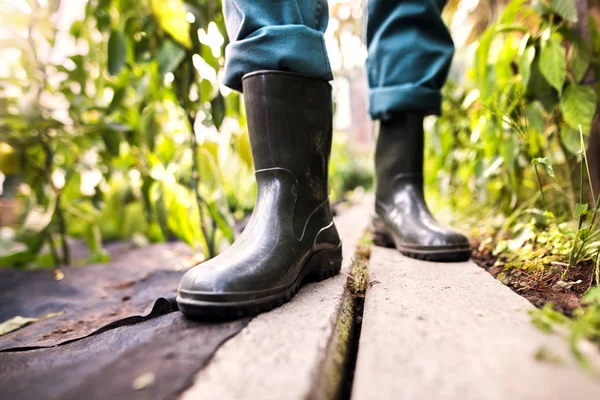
540 290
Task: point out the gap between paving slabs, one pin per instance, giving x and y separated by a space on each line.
337 372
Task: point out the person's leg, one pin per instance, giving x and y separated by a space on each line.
410 51
290 235
409 55
276 35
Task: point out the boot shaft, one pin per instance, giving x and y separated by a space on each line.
290 126
399 152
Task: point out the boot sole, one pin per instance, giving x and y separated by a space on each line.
383 237
321 265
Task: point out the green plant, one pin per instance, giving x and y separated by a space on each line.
585 325
523 101
348 169
127 135
511 139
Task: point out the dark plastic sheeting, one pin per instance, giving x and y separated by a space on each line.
120 322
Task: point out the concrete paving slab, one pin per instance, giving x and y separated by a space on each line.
282 354
451 331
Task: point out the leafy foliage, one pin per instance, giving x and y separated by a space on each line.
513 137
585 325
126 136
513 127
117 128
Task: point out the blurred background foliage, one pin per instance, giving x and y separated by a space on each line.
529 86
516 149
102 138
114 125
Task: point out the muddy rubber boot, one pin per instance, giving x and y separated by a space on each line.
290 236
402 218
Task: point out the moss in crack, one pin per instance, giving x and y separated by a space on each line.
334 379
358 278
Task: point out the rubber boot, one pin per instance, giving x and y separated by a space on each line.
290 236
402 218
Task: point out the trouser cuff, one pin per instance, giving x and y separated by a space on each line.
384 102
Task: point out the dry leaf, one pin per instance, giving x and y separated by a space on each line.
143 381
18 322
58 275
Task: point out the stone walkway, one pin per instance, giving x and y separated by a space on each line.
429 331
424 331
293 352
451 331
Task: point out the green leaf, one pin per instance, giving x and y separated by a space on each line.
169 55
481 59
565 8
183 217
547 165
149 127
539 88
217 109
553 63
535 116
508 150
579 58
112 141
15 255
524 62
570 139
592 297
581 210
206 90
117 99
9 159
578 105
243 150
93 237
512 10
171 16
117 52
223 219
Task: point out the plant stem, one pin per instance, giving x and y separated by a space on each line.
210 251
597 269
62 229
537 174
53 250
580 218
587 165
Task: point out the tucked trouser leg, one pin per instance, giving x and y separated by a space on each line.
409 55
277 35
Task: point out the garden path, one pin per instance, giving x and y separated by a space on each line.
423 330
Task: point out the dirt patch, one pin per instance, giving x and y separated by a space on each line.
543 288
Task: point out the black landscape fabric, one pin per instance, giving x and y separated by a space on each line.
119 334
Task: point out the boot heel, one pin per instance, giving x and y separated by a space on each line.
381 237
324 264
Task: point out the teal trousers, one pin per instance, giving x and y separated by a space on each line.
409 48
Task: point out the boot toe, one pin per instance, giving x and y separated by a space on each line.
453 239
201 279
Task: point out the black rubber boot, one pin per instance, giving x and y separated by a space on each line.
290 237
402 218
